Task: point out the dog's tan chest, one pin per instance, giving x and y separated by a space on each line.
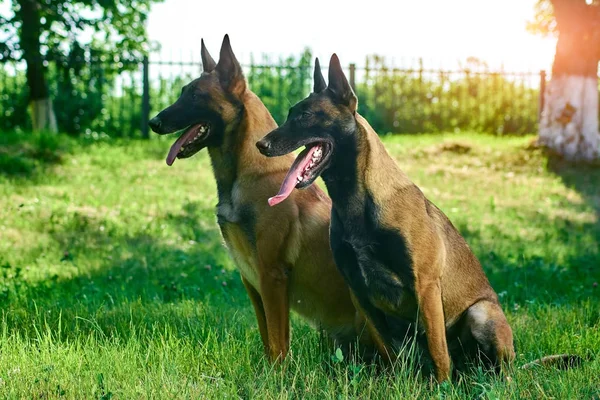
242 252
237 230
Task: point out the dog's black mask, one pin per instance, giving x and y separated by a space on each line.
319 122
205 107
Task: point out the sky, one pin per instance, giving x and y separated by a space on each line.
440 31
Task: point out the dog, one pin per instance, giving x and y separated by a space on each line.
283 254
406 264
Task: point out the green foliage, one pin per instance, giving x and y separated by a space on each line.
64 23
14 98
92 98
79 92
114 281
468 99
543 22
102 96
53 32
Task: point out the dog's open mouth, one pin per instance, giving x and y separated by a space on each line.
308 166
186 144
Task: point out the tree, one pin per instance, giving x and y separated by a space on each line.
54 30
569 123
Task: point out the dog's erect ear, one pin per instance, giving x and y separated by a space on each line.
208 64
229 69
338 84
319 84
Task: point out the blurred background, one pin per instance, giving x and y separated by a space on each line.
417 67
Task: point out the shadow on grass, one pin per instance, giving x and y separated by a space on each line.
32 156
560 268
25 155
558 265
583 178
124 279
132 280
137 279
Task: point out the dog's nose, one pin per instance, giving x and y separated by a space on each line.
263 145
155 123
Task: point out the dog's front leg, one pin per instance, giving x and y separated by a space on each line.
373 336
275 297
431 310
259 310
274 284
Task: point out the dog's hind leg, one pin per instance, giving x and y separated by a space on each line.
259 310
489 327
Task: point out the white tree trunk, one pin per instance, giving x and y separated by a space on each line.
569 123
42 115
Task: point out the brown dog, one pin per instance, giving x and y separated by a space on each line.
282 253
401 256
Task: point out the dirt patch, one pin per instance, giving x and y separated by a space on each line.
438 149
453 147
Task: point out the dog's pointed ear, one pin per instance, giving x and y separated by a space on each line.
229 69
338 84
319 81
208 64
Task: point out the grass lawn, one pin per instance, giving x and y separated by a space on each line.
114 282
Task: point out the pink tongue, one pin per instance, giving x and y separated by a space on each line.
289 183
187 135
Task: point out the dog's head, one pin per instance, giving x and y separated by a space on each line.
206 107
326 118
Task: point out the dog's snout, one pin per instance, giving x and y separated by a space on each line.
155 123
263 145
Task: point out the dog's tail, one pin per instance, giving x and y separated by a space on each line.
558 361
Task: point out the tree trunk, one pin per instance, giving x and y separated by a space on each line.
42 113
569 123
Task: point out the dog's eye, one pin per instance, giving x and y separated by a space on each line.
305 115
194 96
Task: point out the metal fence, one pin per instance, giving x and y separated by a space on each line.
118 97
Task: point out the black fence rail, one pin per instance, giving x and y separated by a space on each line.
118 97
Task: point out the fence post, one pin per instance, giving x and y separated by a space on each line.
542 92
145 99
353 77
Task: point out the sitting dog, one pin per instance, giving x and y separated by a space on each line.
402 258
283 254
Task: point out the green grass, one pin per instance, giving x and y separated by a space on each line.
114 282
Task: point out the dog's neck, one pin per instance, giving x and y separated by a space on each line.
342 176
237 156
359 166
